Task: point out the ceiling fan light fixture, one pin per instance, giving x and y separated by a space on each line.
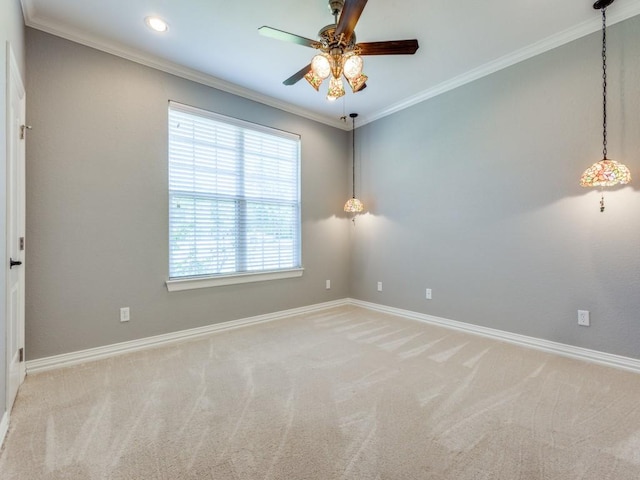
321 66
339 53
352 66
336 89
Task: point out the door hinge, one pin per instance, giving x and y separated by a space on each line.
21 355
22 130
21 243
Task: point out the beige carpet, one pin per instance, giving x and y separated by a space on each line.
342 394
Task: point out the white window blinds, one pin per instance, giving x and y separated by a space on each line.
234 194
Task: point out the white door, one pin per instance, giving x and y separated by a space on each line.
15 228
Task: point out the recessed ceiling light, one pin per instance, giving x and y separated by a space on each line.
157 24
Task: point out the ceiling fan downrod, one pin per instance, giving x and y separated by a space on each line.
335 7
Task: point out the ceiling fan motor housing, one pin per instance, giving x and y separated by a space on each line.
329 41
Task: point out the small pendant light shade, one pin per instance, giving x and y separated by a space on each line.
606 172
353 205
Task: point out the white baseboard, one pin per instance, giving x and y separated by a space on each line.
4 428
594 356
74 358
98 353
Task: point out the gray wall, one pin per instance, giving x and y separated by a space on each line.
97 203
475 194
11 30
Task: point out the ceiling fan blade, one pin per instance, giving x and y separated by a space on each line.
349 17
296 77
287 37
392 47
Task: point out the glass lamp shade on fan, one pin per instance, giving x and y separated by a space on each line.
321 66
336 89
352 66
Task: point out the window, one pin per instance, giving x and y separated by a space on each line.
234 198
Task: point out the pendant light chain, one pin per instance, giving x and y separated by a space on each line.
353 153
604 83
353 205
605 173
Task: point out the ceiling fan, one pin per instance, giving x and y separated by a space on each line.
339 53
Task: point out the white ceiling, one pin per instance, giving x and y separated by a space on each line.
217 43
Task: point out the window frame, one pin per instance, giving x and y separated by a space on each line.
237 277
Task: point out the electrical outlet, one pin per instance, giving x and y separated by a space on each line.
428 294
328 285
379 286
583 318
125 315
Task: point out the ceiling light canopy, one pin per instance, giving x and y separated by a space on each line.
606 172
157 24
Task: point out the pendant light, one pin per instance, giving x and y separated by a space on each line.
606 172
353 205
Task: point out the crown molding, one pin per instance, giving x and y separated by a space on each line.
27 9
554 41
618 14
172 68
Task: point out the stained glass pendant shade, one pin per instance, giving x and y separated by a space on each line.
353 205
606 172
